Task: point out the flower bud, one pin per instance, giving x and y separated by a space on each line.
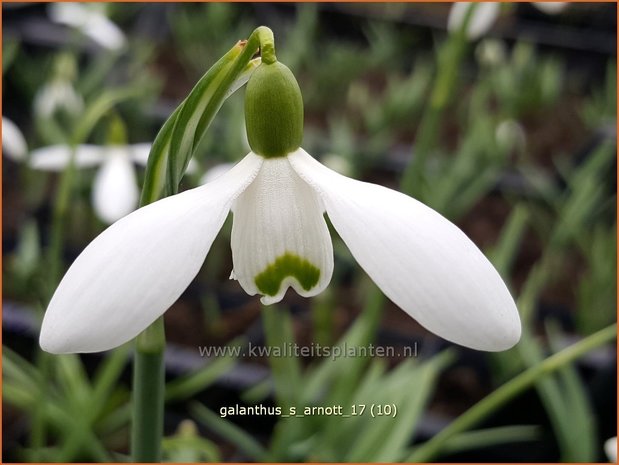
273 111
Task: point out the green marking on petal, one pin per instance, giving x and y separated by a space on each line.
269 281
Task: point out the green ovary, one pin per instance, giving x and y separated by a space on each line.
270 280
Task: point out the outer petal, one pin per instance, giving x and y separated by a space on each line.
482 19
129 275
421 261
115 190
104 32
57 157
13 142
279 236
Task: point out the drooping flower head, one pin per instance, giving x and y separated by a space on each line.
278 194
115 190
483 15
58 93
90 20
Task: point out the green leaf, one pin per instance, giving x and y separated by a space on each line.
479 439
99 109
202 104
107 376
187 386
473 416
286 370
581 438
228 431
385 439
504 252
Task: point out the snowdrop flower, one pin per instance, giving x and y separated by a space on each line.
59 93
13 142
115 191
482 18
136 269
90 20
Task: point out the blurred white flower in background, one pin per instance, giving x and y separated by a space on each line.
491 52
58 93
610 447
115 191
550 8
485 15
14 144
482 18
90 20
510 135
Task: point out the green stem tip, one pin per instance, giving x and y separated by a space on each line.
267 44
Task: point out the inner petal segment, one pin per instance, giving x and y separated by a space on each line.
279 236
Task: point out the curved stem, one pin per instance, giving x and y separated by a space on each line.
267 44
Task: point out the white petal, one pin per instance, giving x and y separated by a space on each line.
137 268
57 157
13 142
482 18
421 261
550 8
103 31
279 235
115 190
